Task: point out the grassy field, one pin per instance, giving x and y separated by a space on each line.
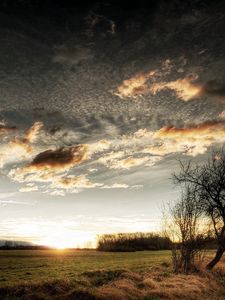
92 275
17 266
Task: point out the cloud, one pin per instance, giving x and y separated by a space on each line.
31 134
71 55
29 137
186 89
4 129
20 145
135 86
215 89
56 181
59 159
192 140
116 186
140 148
99 146
58 193
51 166
129 162
14 202
75 182
110 157
211 130
19 148
28 189
14 152
222 114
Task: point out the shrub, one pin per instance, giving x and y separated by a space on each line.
128 242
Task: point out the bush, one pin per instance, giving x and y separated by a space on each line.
128 242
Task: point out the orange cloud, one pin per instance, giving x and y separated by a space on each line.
135 86
208 130
193 140
30 136
186 89
32 133
75 182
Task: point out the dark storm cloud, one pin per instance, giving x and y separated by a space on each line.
60 158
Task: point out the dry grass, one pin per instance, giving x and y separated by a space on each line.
120 289
155 283
157 286
126 285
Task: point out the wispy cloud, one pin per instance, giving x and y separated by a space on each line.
28 189
116 186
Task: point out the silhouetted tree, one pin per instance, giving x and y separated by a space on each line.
188 240
208 180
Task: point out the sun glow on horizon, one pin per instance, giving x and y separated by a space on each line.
58 235
63 234
69 239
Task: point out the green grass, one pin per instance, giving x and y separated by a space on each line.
33 266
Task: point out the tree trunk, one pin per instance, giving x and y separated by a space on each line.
216 259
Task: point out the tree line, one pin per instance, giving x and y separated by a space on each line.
133 242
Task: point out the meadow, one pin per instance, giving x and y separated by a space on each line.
94 275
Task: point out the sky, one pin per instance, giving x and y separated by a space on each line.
98 102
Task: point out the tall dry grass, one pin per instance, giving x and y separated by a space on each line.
157 284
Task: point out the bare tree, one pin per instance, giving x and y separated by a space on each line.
208 179
185 219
